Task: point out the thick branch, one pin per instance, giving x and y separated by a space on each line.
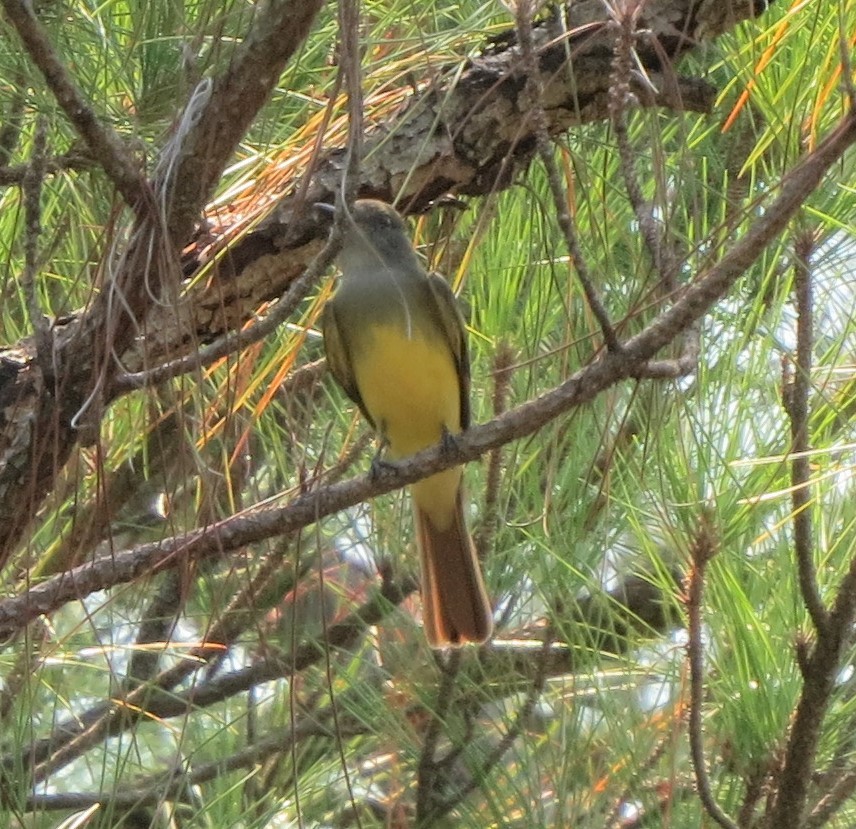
277 31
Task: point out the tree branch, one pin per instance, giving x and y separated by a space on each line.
796 399
820 664
467 131
174 785
540 127
703 550
503 668
139 703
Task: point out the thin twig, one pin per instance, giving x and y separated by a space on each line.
157 623
620 97
31 189
521 719
11 120
349 25
235 340
796 400
702 552
647 767
525 11
73 160
502 372
427 779
844 45
24 668
839 795
349 41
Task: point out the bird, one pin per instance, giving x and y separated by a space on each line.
395 342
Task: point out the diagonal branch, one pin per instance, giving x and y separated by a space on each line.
69 740
505 668
795 187
278 30
467 131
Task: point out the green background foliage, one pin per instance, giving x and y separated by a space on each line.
619 488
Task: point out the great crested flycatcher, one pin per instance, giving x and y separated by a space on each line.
396 342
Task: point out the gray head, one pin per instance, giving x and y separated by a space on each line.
374 236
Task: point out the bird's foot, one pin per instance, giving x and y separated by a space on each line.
449 443
379 465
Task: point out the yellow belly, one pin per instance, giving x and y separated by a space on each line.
411 389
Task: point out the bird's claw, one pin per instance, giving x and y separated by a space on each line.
378 466
449 443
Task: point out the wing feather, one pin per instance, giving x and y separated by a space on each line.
452 323
338 357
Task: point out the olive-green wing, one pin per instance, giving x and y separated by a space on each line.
339 359
452 322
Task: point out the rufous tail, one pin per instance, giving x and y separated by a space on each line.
455 607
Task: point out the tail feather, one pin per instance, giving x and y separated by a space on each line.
455 606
